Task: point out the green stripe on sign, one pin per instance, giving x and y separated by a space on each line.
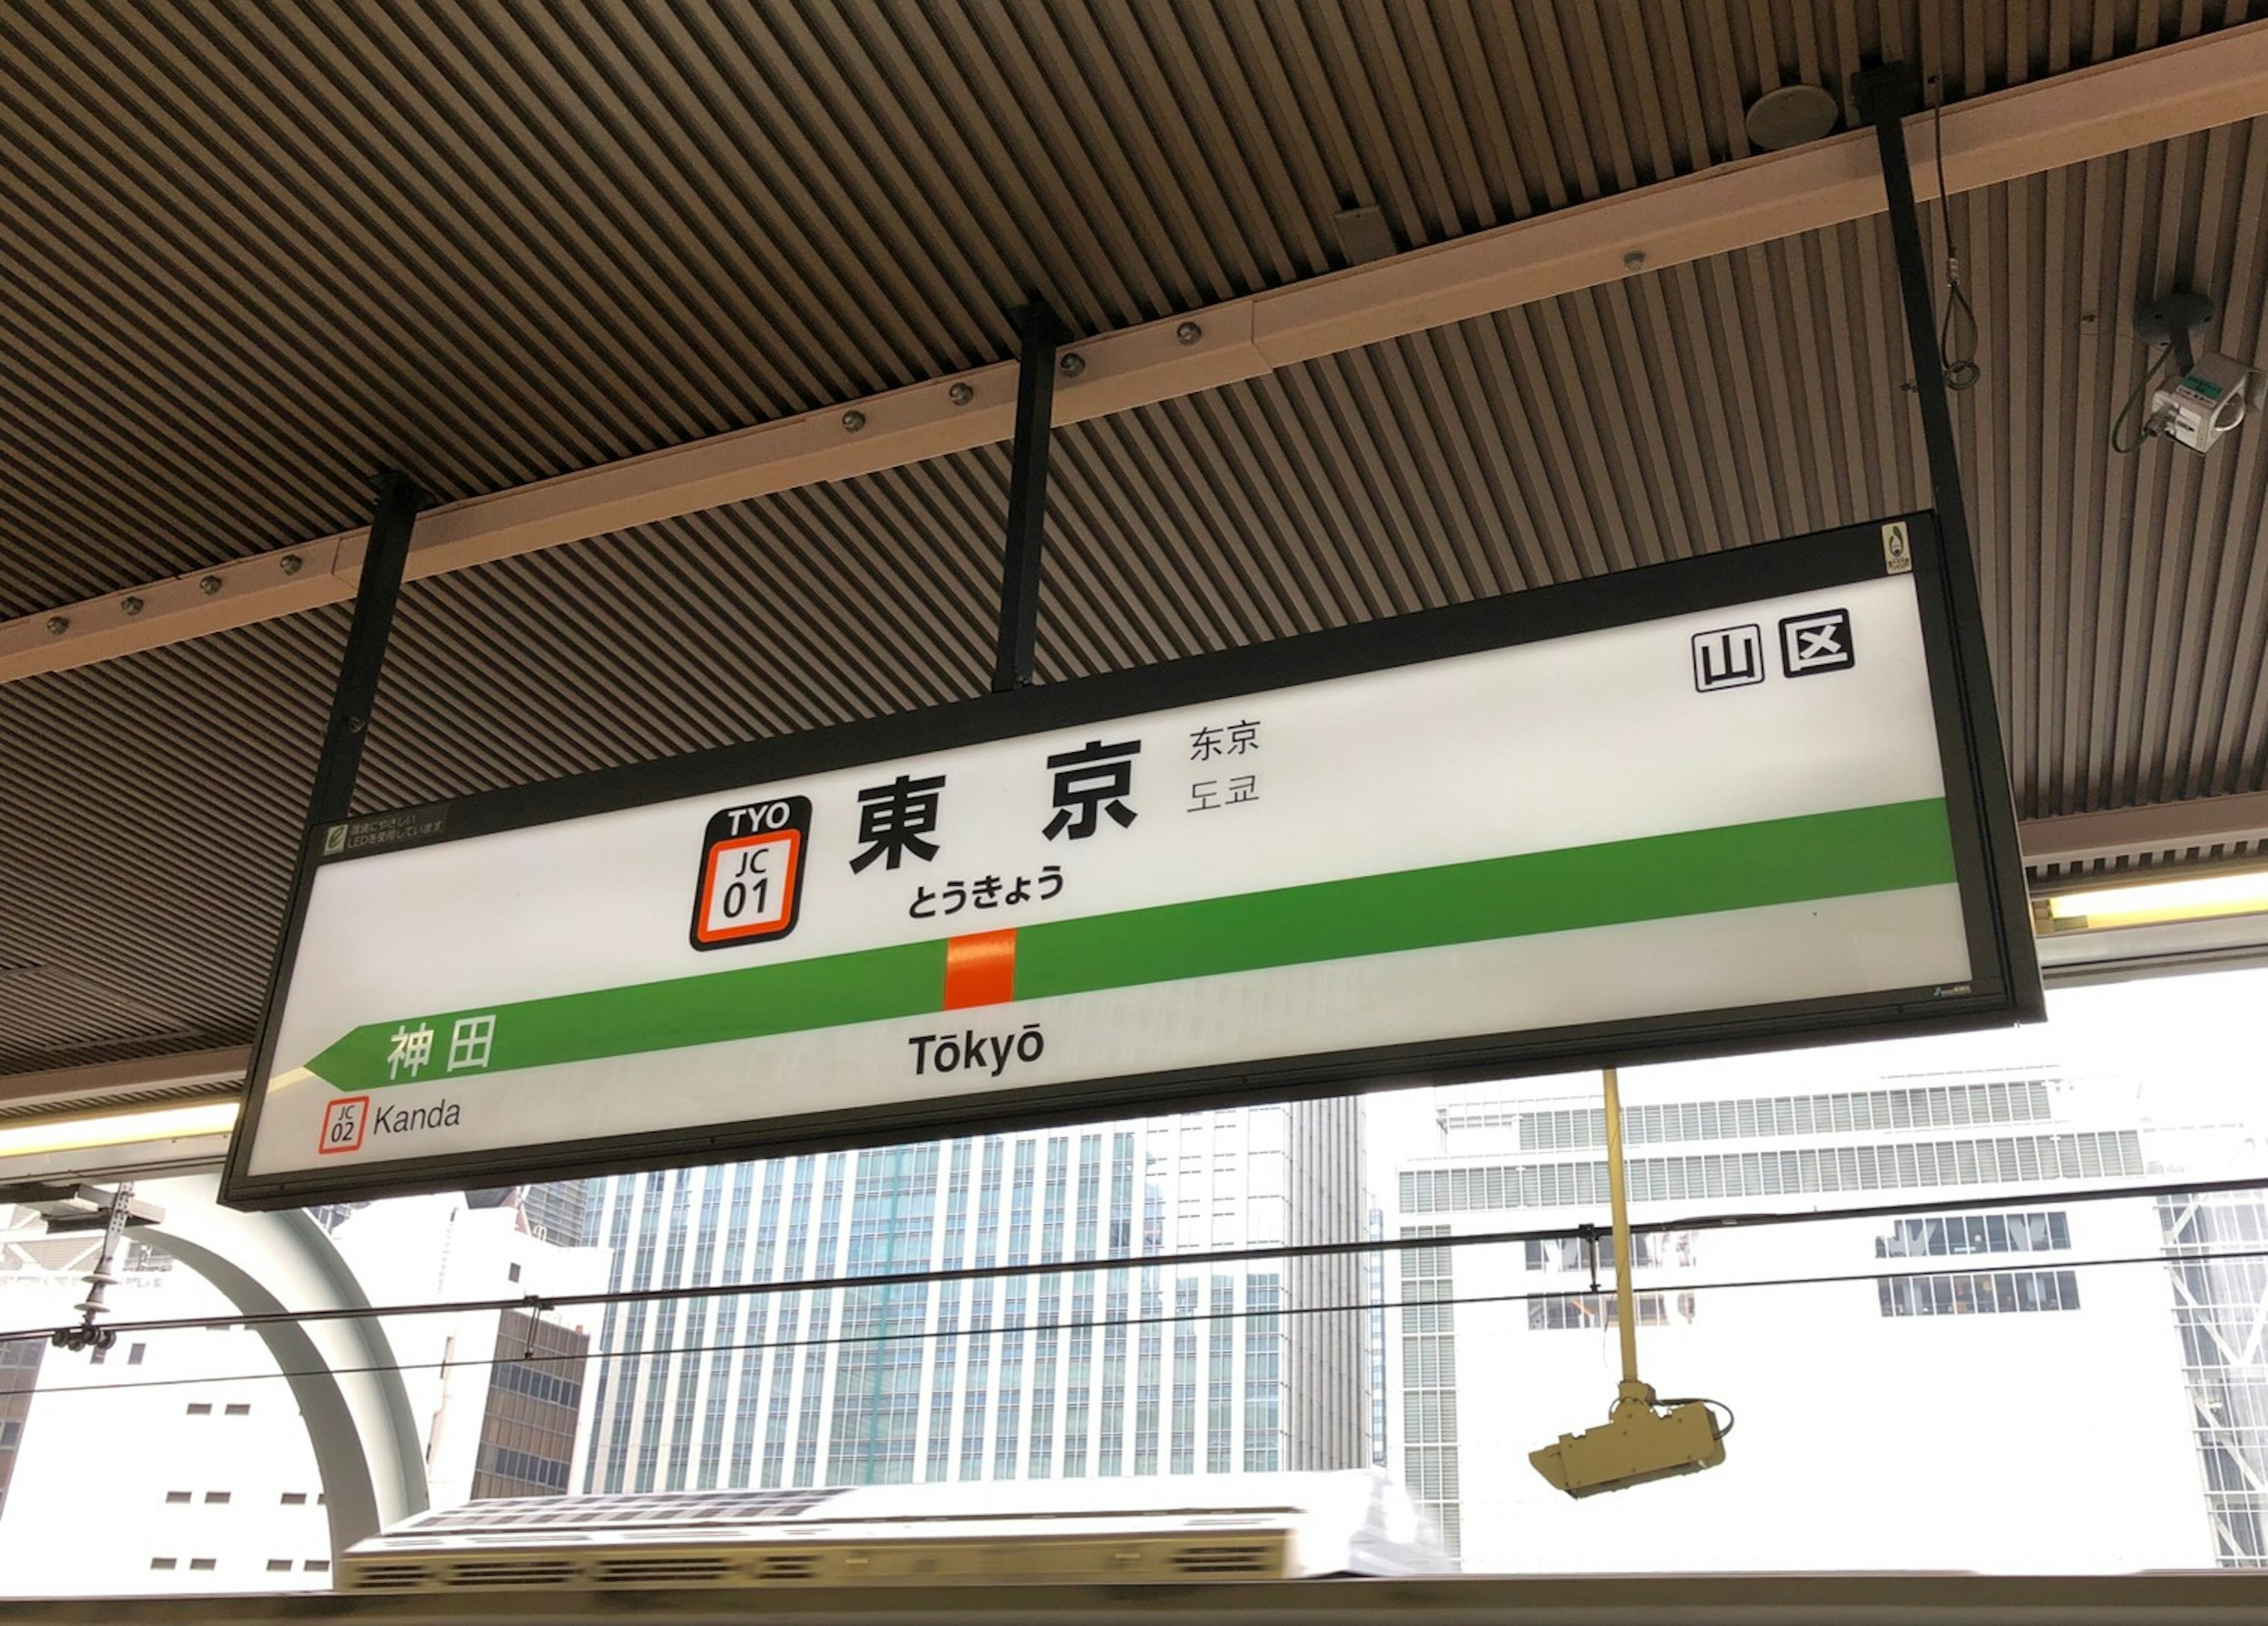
752 1002
1865 849
1653 878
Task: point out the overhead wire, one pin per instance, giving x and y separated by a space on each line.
1563 1231
1957 1264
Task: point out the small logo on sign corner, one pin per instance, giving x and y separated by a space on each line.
343 1122
1820 642
334 840
750 884
1728 658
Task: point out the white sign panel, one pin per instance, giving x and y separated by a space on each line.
1403 871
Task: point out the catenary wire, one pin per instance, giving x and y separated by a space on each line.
1563 1231
1944 1265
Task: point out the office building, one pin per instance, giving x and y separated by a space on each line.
1136 1366
220 1492
2219 1304
1923 1388
564 1213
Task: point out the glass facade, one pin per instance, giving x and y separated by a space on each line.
1132 1365
535 1398
2219 1305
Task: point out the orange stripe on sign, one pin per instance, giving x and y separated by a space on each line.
980 969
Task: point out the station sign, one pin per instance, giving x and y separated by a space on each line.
1727 803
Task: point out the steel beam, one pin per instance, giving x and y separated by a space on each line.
2177 90
2127 832
106 1083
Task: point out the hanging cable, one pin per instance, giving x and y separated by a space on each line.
2152 357
1714 1406
1958 333
1935 1265
1935 1204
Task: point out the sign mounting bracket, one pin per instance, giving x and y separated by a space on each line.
1885 93
330 802
1037 333
376 594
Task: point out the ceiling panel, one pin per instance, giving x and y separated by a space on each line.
495 243
257 252
149 817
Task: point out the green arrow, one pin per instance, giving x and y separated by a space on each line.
1818 855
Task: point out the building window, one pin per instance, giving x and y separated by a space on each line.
294 1498
316 1566
1939 1235
201 1408
134 1352
164 1563
201 1564
1582 1310
512 1271
175 1498
1428 1315
1891 1166
236 1408
277 1564
1985 1292
220 1496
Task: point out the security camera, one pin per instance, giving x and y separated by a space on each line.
2204 397
2203 404
1637 1443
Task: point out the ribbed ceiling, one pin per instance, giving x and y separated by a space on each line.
255 252
250 262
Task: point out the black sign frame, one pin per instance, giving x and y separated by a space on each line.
2004 985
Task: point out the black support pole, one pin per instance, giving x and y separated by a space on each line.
1027 498
332 800
1885 96
375 595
